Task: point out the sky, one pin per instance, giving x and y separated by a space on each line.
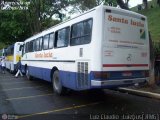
133 3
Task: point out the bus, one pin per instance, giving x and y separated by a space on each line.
105 47
2 52
13 53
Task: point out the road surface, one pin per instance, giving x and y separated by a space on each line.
35 100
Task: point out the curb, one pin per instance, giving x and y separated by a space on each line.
140 93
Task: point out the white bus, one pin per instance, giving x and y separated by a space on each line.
13 53
2 52
105 47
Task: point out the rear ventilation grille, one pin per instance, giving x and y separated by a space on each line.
82 76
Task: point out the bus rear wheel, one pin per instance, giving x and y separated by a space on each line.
57 85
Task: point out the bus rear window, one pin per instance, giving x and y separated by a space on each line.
81 32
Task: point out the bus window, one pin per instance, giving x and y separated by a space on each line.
34 45
62 37
40 43
81 32
45 42
37 47
30 46
87 29
51 40
21 47
12 51
26 47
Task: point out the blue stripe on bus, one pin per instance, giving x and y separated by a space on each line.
69 80
41 73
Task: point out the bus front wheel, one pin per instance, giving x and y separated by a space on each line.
57 85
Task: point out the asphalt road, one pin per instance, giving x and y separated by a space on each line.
35 100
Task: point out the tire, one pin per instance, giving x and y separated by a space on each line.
57 85
10 69
29 77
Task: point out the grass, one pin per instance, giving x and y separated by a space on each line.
153 16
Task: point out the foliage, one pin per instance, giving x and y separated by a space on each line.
40 12
13 26
27 18
154 27
153 18
158 2
156 47
122 4
2 45
145 2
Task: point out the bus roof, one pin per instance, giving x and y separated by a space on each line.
97 7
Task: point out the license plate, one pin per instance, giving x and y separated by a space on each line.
127 74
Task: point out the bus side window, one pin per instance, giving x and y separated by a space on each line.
62 37
81 32
21 47
37 44
51 40
40 43
30 47
25 48
34 45
45 42
12 50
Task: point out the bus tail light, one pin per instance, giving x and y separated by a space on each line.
101 75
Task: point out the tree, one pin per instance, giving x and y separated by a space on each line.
126 2
32 16
122 4
40 12
13 26
158 2
145 2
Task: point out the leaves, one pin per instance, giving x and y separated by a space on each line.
13 26
29 17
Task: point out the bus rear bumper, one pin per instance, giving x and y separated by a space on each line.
96 83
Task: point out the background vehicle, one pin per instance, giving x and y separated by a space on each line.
2 52
13 53
105 47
